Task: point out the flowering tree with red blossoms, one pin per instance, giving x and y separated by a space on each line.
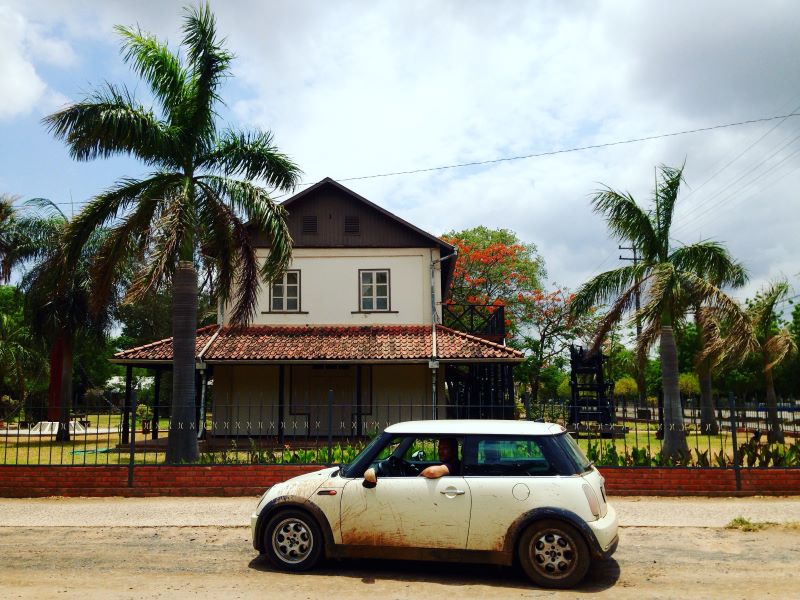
494 268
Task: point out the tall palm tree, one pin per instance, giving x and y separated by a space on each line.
190 211
774 343
669 279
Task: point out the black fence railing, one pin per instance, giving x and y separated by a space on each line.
485 320
333 428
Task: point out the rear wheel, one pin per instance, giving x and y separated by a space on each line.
553 554
293 541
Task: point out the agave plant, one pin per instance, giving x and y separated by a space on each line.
192 210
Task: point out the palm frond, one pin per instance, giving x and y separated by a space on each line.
108 205
777 347
762 310
666 198
168 237
663 296
614 315
252 155
627 221
651 332
710 260
264 214
153 61
606 287
110 123
209 63
243 262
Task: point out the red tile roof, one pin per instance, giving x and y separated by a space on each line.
321 343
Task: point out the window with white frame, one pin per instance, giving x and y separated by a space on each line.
285 294
374 290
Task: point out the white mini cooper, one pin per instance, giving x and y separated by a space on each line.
514 491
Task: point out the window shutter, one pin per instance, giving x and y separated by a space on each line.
310 224
352 226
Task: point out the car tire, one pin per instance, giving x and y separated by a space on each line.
553 554
293 541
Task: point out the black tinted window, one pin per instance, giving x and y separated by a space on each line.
507 456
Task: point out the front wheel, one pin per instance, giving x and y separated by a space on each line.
293 541
553 554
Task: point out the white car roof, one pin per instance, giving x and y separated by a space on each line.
475 426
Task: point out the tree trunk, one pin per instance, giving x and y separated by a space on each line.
675 445
54 390
182 439
775 431
65 401
708 412
533 399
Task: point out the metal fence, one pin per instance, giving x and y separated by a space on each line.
333 429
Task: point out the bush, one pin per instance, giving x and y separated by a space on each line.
8 406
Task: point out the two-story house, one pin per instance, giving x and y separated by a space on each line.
350 338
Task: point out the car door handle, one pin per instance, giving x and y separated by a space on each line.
452 492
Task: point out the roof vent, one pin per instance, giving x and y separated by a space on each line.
310 224
352 225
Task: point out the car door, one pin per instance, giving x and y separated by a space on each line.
507 477
409 511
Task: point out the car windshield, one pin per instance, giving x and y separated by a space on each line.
378 440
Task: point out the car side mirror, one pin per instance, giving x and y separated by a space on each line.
418 455
370 478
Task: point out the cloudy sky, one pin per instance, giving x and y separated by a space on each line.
363 88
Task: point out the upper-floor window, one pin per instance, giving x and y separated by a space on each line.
374 290
285 293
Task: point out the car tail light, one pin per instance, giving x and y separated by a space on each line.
591 497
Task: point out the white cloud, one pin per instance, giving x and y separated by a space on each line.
355 88
22 45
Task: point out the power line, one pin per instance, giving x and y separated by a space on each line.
567 150
699 209
556 152
742 153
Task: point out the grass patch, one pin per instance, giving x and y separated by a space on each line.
743 524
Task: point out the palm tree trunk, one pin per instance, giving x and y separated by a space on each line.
182 439
675 445
708 414
54 390
775 432
65 401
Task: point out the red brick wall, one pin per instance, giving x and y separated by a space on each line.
239 480
679 481
251 480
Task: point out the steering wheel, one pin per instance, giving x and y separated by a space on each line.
399 467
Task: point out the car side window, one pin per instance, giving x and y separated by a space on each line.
507 456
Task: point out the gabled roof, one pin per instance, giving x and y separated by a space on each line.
377 343
445 248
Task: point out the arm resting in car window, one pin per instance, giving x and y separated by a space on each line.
435 471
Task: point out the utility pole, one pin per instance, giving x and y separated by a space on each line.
637 300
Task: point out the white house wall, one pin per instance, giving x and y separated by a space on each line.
329 287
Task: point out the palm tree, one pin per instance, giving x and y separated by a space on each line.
58 296
190 210
17 352
774 344
670 281
718 344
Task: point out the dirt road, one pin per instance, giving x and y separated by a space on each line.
67 548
